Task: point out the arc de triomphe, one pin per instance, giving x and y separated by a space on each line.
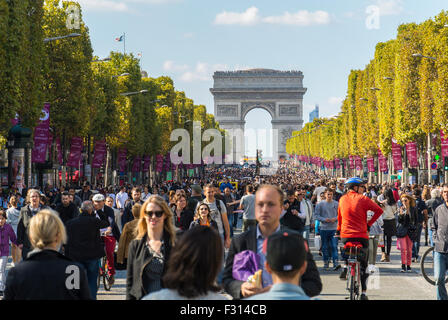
278 92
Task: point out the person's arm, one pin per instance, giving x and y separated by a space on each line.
317 213
241 207
12 236
225 222
21 231
338 229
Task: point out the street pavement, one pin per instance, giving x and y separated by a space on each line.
388 283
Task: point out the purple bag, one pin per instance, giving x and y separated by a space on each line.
245 264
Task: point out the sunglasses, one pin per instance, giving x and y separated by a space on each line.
152 213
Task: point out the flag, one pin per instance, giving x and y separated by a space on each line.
139 54
119 39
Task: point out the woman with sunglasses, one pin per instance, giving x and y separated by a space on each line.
150 251
407 216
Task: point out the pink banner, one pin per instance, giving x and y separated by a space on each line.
352 162
59 149
411 152
100 154
382 161
75 152
337 163
370 164
146 163
159 163
136 165
396 156
168 162
358 163
122 159
41 136
444 144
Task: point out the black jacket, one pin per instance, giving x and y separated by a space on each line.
186 217
192 202
44 276
67 213
85 195
290 220
310 281
138 257
22 229
83 238
127 213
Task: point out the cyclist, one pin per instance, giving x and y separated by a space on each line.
353 225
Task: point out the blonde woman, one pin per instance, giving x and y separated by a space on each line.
29 280
150 251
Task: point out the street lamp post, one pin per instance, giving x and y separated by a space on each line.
71 35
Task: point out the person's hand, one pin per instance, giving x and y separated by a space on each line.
295 212
20 246
286 206
227 243
108 232
249 289
328 220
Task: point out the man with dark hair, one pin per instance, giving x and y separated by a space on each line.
286 261
127 214
66 209
268 208
76 200
293 218
85 193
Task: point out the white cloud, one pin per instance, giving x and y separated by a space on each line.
335 100
390 7
247 18
251 17
172 66
202 72
188 35
300 18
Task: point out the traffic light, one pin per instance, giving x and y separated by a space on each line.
436 158
445 164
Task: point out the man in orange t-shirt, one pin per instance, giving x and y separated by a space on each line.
353 225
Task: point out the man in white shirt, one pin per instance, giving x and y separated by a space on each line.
121 198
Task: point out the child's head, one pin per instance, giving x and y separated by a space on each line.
285 255
2 218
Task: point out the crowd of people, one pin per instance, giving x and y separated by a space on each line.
179 240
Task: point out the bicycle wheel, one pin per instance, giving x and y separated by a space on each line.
106 277
427 266
351 282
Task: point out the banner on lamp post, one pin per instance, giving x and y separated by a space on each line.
122 159
358 163
41 136
396 156
75 152
370 164
382 162
100 154
146 163
136 164
411 152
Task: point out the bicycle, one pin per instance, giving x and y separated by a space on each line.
427 265
103 273
354 252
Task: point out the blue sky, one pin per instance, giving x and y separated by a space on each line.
190 39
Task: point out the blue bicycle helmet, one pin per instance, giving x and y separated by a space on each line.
355 181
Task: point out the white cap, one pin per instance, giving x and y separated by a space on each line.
98 197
